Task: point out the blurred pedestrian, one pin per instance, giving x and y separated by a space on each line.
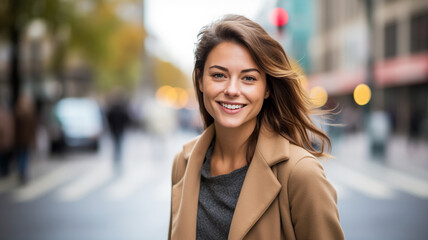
118 119
253 173
6 139
25 132
414 128
414 131
379 132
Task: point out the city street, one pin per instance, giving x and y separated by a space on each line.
82 73
80 195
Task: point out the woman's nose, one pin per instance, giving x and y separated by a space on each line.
232 89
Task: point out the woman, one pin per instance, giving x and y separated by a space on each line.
252 174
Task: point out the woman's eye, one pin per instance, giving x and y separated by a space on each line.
217 75
249 78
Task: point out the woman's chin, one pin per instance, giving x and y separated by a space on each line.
229 124
232 124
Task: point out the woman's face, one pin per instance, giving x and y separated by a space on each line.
233 86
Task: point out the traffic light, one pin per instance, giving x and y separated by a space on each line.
279 17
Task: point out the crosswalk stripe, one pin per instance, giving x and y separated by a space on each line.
362 183
404 182
8 183
342 191
129 182
44 184
87 183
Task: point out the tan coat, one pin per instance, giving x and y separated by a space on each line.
285 194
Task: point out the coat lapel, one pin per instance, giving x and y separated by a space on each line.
261 186
185 227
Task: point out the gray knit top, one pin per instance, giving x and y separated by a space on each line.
217 200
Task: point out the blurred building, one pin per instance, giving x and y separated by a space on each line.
296 34
299 29
382 43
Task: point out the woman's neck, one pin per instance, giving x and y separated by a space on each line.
230 148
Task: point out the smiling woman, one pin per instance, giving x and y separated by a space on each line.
233 87
253 172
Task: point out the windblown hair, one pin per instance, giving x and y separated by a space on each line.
287 110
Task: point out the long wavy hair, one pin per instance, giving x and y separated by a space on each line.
287 110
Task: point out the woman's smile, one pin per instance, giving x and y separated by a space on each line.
231 108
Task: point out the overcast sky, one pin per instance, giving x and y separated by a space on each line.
175 24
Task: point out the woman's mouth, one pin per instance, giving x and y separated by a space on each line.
231 106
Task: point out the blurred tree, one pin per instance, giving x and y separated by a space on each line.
111 47
15 16
167 73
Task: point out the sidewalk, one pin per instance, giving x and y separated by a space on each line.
402 155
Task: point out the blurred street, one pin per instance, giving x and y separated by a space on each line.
96 98
79 195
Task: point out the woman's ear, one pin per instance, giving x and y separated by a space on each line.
199 77
267 93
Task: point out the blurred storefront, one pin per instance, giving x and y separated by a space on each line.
382 43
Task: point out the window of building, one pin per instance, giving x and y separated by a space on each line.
390 40
352 8
328 14
328 61
419 33
325 13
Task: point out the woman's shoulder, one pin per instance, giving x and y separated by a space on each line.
187 148
301 163
180 160
297 153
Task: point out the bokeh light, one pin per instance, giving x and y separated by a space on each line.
279 17
172 97
298 69
362 94
318 96
192 104
182 98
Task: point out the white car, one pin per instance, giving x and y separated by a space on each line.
76 122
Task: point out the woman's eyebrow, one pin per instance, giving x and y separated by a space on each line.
250 70
227 70
219 67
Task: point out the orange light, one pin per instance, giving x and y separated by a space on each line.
362 94
318 96
182 98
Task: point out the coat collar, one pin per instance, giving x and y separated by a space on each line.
194 153
259 189
261 186
268 144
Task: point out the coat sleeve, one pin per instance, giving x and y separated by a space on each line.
178 168
313 202
173 179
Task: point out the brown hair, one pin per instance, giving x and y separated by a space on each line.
287 110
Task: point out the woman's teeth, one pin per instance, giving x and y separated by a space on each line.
231 106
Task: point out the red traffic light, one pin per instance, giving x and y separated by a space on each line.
279 17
